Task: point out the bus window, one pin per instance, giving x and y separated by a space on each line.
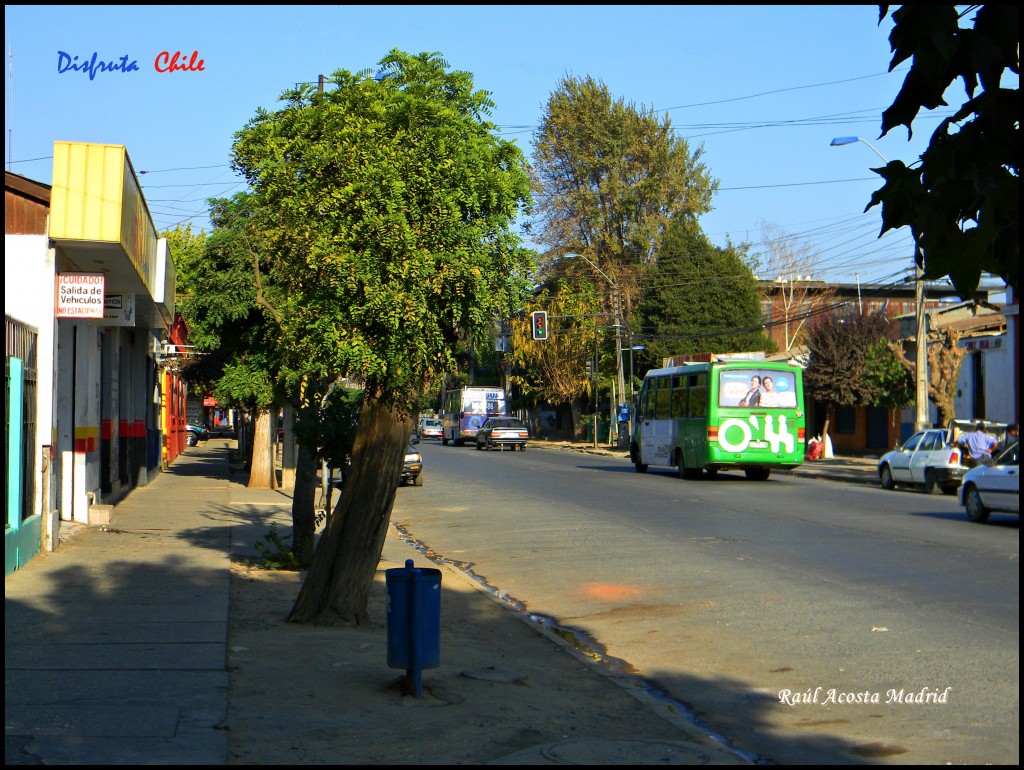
662 407
697 403
679 400
647 401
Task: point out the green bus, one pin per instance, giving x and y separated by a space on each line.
725 415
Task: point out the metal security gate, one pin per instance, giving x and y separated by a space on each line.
20 542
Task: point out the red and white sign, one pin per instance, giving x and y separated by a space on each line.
80 295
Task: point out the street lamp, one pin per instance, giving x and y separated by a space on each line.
619 379
921 419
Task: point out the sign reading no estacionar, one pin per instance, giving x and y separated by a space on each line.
80 295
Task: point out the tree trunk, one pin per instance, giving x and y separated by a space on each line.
289 450
262 474
944 360
303 501
576 410
337 588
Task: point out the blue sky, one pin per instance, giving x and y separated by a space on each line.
764 89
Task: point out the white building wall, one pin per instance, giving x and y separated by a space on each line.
998 380
29 297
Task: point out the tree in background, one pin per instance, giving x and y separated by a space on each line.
962 199
609 177
698 298
187 248
847 365
891 383
555 370
791 267
944 360
229 304
392 200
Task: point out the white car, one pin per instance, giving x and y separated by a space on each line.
927 460
430 427
995 487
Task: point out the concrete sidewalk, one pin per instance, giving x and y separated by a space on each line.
116 644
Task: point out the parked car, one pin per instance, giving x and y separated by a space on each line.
995 487
430 427
412 468
502 432
926 459
195 433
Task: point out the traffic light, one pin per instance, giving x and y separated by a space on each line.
540 325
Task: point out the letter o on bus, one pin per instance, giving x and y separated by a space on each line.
723 435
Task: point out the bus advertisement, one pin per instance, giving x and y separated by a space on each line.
706 417
464 411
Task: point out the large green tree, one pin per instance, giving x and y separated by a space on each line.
698 298
962 199
609 177
393 201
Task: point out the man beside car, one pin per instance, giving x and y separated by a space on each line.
979 444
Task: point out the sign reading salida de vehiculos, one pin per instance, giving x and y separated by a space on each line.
80 295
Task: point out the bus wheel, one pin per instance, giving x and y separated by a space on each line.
758 474
634 455
444 441
684 472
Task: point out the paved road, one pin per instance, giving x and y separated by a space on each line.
727 592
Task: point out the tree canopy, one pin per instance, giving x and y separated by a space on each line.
392 200
847 365
609 177
961 200
698 298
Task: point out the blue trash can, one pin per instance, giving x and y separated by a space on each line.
413 620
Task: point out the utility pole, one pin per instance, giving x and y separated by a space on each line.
921 418
595 383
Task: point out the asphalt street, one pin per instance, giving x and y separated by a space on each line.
728 592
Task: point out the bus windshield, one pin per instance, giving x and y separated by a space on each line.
756 389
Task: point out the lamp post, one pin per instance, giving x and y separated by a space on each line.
921 419
619 379
632 399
